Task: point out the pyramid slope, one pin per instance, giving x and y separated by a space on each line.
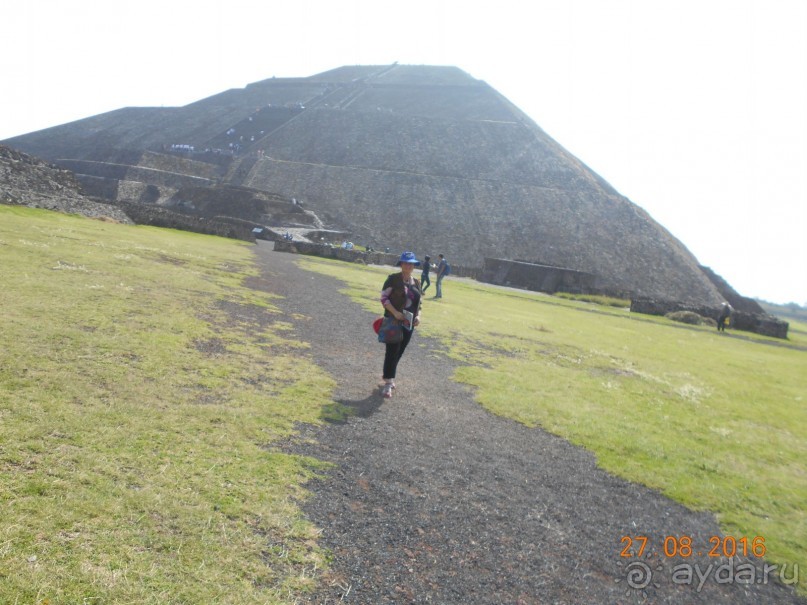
403 156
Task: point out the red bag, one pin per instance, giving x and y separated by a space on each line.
377 324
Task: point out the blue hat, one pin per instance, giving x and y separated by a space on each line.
408 257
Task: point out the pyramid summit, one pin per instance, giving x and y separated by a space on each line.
401 156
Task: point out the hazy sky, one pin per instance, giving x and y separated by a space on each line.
695 110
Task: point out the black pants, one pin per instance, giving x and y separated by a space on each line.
394 353
425 282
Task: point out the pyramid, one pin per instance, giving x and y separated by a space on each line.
422 158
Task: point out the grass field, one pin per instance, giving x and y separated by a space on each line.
140 398
716 422
797 332
135 420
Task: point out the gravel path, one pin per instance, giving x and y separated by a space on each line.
432 499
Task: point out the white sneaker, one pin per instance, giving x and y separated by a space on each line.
386 391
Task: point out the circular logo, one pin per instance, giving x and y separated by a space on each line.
639 575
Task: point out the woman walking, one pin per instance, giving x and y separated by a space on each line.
400 293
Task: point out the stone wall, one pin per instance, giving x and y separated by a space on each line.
531 276
99 186
759 323
139 192
144 214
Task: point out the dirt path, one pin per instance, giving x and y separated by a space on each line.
434 500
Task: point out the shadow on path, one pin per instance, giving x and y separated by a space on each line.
362 408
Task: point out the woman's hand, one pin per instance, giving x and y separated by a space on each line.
393 311
416 321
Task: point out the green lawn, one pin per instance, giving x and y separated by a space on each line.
716 422
137 417
136 420
797 332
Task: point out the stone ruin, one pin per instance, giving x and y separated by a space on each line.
534 276
760 323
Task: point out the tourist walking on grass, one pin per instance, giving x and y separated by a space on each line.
401 298
723 318
442 270
425 282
